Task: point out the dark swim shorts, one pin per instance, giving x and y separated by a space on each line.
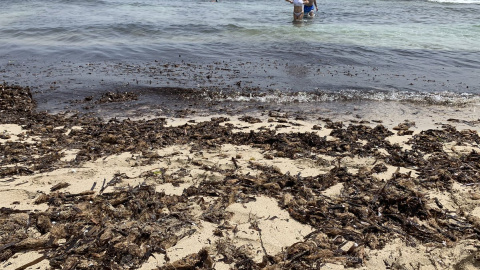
307 9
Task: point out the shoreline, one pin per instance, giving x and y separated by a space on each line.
255 191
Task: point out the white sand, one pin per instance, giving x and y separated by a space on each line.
261 225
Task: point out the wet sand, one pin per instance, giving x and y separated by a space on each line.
372 189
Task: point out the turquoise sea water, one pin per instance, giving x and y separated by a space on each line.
353 50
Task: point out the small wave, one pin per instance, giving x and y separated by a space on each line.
193 29
277 96
85 2
456 1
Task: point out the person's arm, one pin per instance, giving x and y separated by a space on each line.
290 1
315 3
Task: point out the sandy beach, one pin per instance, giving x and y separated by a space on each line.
258 191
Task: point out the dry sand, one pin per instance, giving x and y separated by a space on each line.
261 226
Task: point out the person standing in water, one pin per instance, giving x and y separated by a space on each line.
308 8
297 9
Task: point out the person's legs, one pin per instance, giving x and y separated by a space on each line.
309 11
297 16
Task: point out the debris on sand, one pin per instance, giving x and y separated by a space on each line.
123 226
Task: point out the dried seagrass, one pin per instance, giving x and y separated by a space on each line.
121 229
115 230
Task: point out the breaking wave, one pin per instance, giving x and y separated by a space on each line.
457 1
277 96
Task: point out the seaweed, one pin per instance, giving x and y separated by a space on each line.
123 228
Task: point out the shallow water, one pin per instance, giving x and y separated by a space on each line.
410 51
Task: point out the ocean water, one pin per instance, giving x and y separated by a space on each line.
238 51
